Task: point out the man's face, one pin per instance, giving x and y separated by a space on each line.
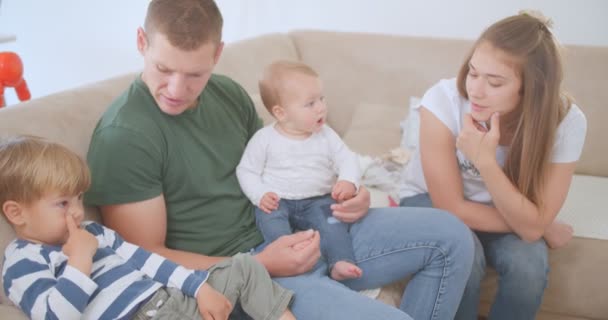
175 77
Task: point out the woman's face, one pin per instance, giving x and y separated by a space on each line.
492 84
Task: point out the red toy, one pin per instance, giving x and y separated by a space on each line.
11 75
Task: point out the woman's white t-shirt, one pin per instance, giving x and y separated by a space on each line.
446 103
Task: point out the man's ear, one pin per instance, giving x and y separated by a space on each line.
278 112
142 40
13 211
218 52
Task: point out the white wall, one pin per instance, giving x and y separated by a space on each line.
67 43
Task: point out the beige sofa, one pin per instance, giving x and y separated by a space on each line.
369 79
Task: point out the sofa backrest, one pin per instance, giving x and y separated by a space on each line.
68 118
383 69
363 69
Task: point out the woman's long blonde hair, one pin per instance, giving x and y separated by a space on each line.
527 38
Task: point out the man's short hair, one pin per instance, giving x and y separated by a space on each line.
187 24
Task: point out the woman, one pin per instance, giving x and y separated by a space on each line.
498 148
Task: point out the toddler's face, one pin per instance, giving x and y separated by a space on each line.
304 107
45 219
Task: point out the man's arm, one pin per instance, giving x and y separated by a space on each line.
144 223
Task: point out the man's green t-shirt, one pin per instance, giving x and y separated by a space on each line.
137 152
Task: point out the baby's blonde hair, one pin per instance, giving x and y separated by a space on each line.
31 167
274 76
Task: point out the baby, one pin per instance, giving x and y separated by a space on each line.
295 168
62 268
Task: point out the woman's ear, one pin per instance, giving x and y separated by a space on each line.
13 211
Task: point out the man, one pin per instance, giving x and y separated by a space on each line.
163 161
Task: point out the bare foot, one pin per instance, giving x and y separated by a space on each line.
287 315
345 270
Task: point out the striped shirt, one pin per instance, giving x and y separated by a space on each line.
37 278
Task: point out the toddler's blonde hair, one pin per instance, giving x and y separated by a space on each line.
32 167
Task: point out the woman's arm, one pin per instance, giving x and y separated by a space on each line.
519 213
443 180
525 218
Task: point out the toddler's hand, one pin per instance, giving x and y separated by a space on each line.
343 190
212 304
80 246
269 202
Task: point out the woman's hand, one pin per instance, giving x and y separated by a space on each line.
476 142
558 234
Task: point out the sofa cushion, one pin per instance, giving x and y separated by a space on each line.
375 128
267 118
576 276
585 71
11 313
68 118
584 207
245 60
410 126
358 67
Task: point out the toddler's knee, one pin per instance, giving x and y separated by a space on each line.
246 264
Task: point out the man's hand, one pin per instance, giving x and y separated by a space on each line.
558 234
476 142
343 190
80 246
269 202
291 255
353 209
212 304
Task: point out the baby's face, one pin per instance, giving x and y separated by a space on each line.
45 219
305 111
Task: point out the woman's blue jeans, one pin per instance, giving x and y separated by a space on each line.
432 246
522 268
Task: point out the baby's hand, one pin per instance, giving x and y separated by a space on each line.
80 246
269 202
343 190
212 304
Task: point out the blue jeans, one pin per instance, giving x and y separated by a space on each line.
522 268
312 213
432 246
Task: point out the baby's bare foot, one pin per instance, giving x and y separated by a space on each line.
345 270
